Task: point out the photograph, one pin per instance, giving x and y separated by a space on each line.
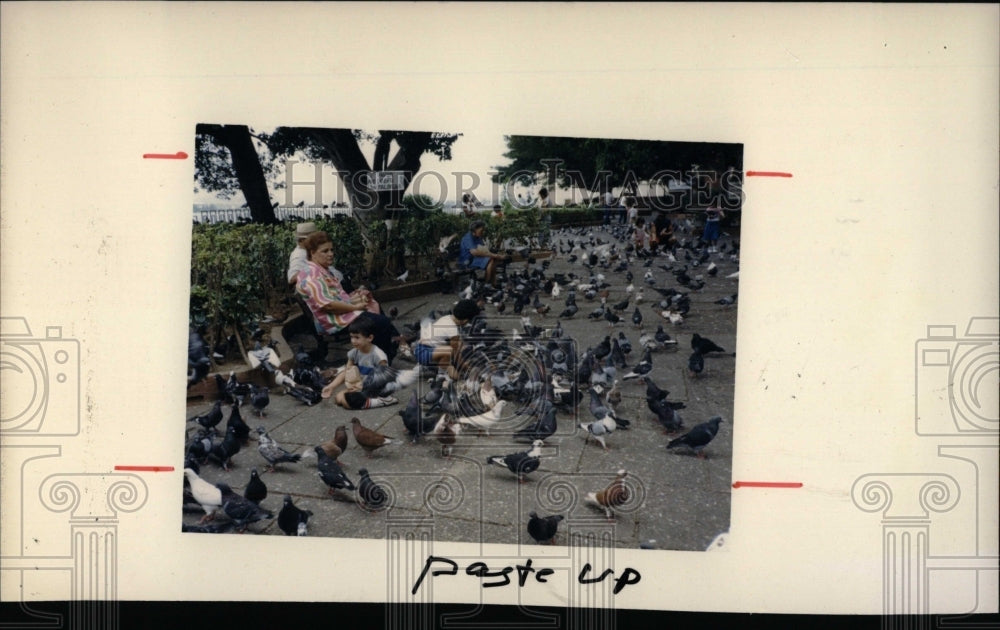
518 339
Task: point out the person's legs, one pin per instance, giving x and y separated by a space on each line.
491 271
340 400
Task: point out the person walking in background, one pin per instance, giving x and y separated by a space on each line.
631 210
468 206
609 206
640 236
713 219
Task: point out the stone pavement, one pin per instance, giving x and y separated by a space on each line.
679 500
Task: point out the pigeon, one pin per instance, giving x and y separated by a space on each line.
224 450
624 344
667 415
369 440
340 437
256 490
727 301
237 391
600 428
291 519
699 436
214 528
487 419
198 448
330 448
272 451
696 363
304 394
403 276
383 381
614 396
541 429
414 420
331 473
543 529
520 463
372 495
611 318
644 367
259 398
614 496
211 419
263 357
242 429
205 494
637 318
447 430
239 509
704 345
603 349
662 337
653 391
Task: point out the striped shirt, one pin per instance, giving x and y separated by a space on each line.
318 287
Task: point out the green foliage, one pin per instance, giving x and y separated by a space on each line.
238 271
599 164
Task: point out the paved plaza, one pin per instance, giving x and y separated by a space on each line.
678 500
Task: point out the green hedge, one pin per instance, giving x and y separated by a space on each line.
238 270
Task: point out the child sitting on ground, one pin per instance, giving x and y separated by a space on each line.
362 359
440 343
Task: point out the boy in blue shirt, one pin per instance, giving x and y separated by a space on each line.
362 358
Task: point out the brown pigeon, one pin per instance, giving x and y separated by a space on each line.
340 438
447 430
615 495
368 439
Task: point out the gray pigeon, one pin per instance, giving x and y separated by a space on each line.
699 437
241 510
272 451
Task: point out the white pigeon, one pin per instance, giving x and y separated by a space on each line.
630 288
403 276
600 428
488 394
674 318
444 242
555 290
487 419
207 495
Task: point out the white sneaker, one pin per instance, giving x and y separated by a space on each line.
383 401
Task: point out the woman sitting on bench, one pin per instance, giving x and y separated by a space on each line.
332 307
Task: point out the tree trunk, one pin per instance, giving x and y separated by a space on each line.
341 147
249 173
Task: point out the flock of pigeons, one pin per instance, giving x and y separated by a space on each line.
513 383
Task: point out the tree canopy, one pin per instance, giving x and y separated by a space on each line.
599 164
227 160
